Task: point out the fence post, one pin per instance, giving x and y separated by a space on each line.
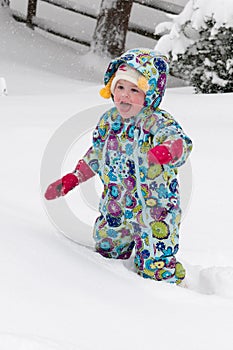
31 12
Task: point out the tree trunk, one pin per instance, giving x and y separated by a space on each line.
111 28
5 3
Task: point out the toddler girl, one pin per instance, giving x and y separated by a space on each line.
136 150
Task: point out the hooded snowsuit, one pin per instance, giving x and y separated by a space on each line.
140 204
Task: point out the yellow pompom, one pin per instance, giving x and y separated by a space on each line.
143 84
105 92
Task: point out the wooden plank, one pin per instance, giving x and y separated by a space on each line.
134 28
36 23
82 10
164 6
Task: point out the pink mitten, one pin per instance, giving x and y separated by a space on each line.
165 153
61 187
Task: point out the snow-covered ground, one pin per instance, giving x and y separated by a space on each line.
56 294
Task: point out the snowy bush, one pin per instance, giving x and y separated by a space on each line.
208 63
200 45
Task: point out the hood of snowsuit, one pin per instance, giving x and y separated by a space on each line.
151 64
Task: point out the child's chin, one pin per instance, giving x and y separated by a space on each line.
125 114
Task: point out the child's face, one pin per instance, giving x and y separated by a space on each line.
128 98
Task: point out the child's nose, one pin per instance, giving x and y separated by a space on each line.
125 93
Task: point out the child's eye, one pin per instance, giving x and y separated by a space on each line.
120 87
134 90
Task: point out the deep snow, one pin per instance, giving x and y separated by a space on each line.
56 294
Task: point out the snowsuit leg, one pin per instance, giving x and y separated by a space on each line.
157 260
113 242
155 246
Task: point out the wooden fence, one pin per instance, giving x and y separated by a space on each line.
32 21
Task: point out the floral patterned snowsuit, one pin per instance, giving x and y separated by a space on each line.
140 204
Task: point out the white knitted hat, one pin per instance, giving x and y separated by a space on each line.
125 72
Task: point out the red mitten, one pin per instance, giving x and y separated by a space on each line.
169 151
61 187
159 154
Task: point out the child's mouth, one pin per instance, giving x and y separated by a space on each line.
125 106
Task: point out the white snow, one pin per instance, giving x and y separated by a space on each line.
56 294
184 28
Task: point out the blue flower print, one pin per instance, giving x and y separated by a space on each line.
169 251
162 191
114 191
153 186
112 176
129 200
152 83
150 265
140 161
112 233
127 57
145 254
131 167
128 214
160 64
129 149
106 244
117 126
156 101
160 246
147 101
136 227
144 235
113 221
173 186
143 172
130 132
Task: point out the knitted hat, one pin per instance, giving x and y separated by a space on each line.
125 72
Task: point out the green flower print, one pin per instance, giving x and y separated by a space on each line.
154 171
179 271
160 229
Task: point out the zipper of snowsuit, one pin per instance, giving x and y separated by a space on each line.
140 195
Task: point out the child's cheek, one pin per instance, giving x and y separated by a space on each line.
116 98
138 101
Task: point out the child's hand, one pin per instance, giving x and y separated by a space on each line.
61 187
165 153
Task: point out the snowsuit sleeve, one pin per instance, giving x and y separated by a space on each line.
94 155
170 131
